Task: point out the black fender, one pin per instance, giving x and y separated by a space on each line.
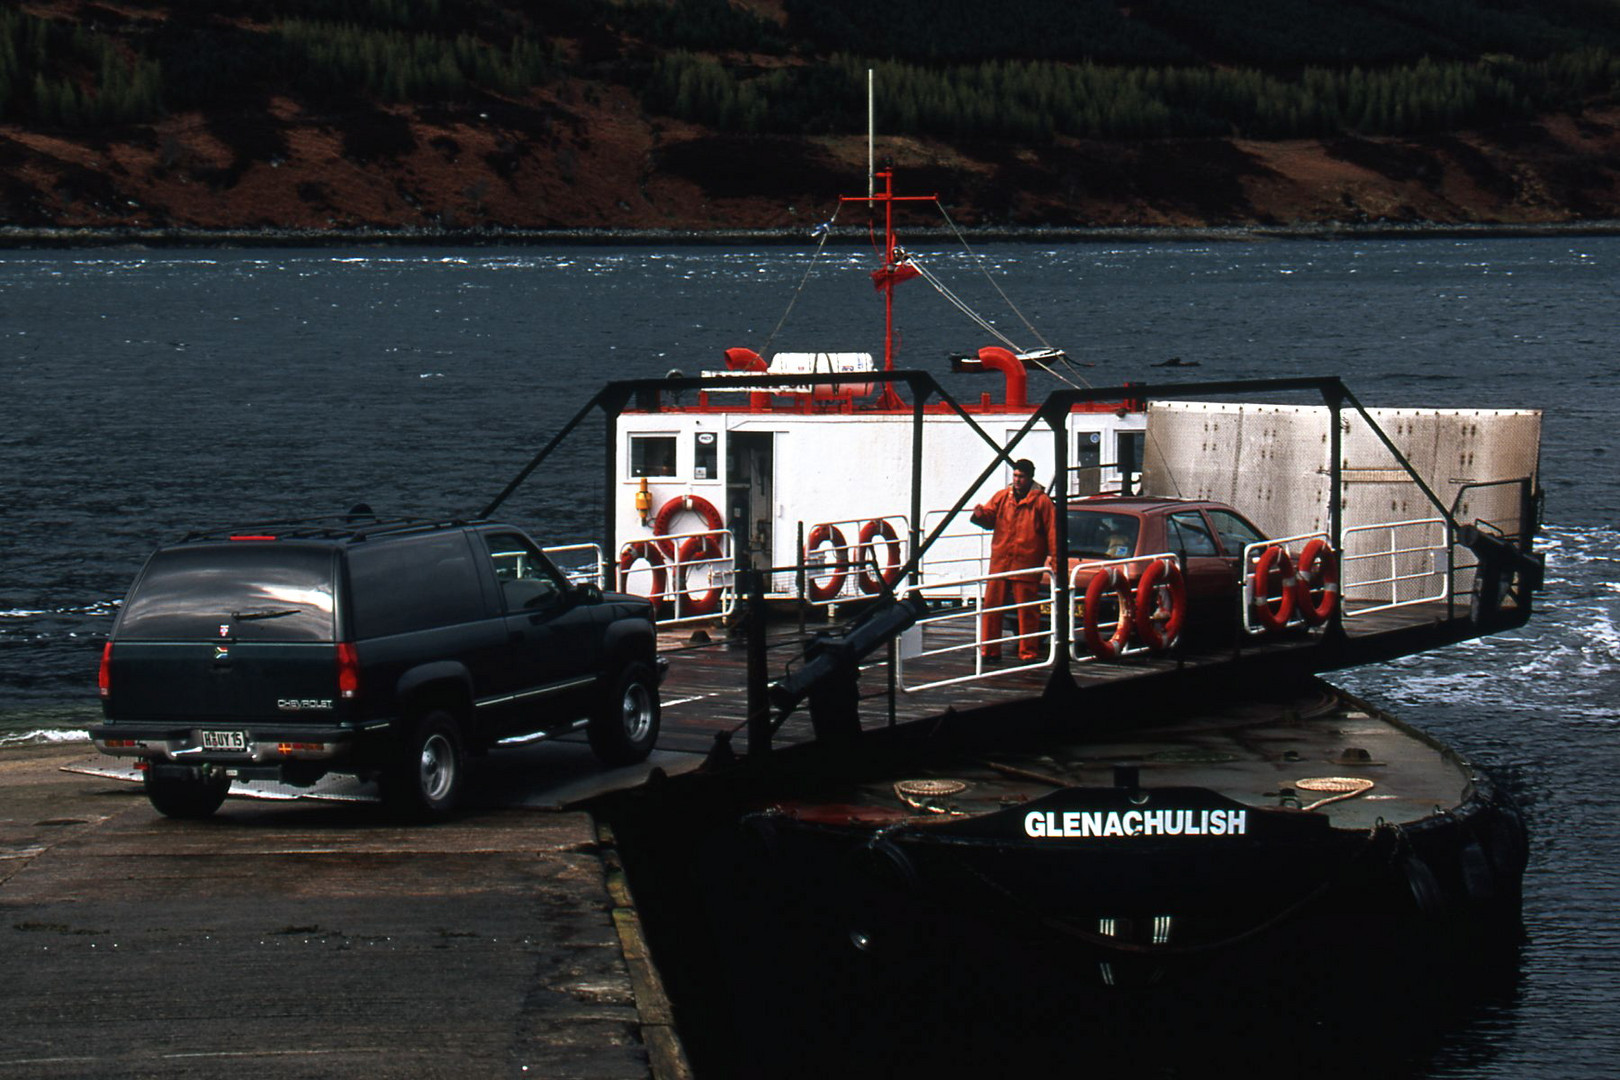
415 679
626 639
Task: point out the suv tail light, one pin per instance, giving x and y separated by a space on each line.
104 676
348 671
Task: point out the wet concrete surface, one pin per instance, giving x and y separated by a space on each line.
293 939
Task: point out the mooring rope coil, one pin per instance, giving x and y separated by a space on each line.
1348 787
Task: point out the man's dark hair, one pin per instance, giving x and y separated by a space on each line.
1024 465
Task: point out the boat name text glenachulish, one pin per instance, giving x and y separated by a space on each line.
1076 824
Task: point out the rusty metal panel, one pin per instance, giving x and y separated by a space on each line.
1273 463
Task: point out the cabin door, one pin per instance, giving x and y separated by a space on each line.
751 494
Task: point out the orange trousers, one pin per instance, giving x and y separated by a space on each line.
996 593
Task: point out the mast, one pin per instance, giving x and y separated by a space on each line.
893 272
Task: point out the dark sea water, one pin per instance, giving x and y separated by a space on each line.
148 393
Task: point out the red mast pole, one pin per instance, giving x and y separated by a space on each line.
890 276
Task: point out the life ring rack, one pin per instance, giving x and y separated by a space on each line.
1105 580
825 590
702 548
1274 561
652 553
870 580
1161 589
697 504
1316 582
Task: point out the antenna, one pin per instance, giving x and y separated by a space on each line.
871 138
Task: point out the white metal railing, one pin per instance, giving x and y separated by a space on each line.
1092 569
1283 595
1390 562
690 577
841 558
977 642
956 558
596 572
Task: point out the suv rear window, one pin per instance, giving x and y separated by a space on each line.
407 585
251 592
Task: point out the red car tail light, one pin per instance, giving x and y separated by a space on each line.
348 671
104 676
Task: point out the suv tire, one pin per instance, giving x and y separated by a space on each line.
425 780
624 726
189 795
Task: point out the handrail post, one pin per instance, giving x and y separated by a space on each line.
759 706
1335 403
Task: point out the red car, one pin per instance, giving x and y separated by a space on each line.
1207 539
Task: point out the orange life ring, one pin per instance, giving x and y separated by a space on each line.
1316 582
667 513
866 557
1103 580
1274 618
835 583
653 555
698 549
1149 592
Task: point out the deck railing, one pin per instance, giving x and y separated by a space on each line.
573 569
845 560
1397 564
913 644
690 577
1274 589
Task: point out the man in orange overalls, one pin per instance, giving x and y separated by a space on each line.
1025 538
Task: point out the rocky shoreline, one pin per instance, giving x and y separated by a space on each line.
22 238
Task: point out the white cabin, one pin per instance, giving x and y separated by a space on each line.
777 469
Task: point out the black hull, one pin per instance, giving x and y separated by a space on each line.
846 929
892 893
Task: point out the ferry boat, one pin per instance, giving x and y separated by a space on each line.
816 470
1126 807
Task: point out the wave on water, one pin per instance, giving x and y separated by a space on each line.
43 736
1563 665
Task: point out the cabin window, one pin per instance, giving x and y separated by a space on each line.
1087 463
652 455
1128 459
705 446
1128 452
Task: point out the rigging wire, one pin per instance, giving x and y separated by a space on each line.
957 302
978 261
984 324
824 231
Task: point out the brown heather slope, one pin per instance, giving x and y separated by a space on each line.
590 159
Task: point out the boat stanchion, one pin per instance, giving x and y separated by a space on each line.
752 584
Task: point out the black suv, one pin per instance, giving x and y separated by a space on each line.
383 649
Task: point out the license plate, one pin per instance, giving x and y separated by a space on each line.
225 740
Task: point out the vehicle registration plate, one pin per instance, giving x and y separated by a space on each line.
224 740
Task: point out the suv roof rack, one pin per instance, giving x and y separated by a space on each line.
350 527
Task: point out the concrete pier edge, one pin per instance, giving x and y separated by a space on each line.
665 1054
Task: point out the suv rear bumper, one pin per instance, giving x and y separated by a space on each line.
258 746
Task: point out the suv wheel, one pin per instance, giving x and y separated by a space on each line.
193 793
625 725
425 780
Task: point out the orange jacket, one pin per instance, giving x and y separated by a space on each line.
1025 529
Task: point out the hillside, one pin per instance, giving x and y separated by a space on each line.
408 115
